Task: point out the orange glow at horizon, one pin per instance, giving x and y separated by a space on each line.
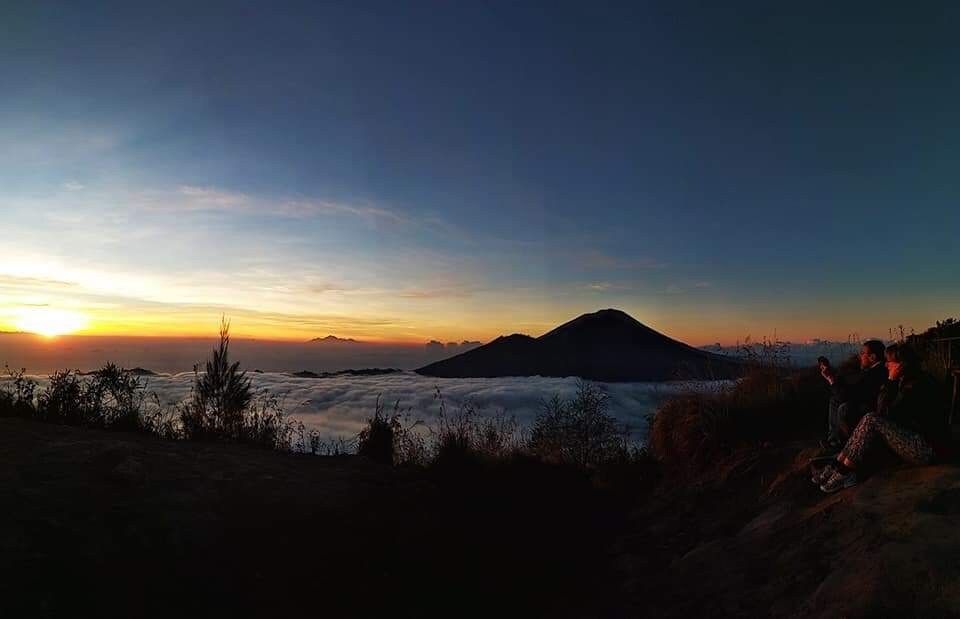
50 322
187 323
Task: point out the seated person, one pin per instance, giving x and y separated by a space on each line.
907 420
852 396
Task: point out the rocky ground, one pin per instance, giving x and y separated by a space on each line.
757 538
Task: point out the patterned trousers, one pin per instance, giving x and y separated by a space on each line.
907 444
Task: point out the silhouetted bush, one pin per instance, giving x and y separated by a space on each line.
161 420
109 398
311 442
223 407
69 399
579 431
468 435
265 424
376 440
219 398
771 402
392 439
117 399
18 395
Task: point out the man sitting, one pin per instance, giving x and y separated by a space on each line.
851 397
908 421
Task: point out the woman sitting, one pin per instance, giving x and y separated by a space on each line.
907 420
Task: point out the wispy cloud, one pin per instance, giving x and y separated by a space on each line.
596 261
196 198
31 142
599 286
210 198
308 208
436 293
39 283
610 286
681 288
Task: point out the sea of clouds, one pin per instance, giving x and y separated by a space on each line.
339 406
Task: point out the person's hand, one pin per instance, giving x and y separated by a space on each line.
827 373
894 369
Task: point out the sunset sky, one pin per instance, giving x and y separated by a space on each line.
407 171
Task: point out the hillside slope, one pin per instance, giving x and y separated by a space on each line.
759 540
111 524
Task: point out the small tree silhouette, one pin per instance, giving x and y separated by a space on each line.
220 396
580 430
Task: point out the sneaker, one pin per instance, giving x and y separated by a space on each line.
839 481
821 476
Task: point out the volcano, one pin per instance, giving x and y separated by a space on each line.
608 345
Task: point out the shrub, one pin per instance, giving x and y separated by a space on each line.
219 395
392 439
468 435
223 406
68 399
768 403
497 436
107 398
117 398
264 423
377 441
18 396
465 436
306 441
579 431
160 420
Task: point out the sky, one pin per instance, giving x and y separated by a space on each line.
400 172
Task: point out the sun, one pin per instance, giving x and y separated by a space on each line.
50 322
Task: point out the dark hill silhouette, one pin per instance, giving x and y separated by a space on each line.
350 372
608 345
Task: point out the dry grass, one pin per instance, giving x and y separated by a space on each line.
774 401
771 402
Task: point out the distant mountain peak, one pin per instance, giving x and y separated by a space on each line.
333 339
609 315
605 323
515 337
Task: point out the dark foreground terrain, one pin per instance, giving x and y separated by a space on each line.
757 539
114 524
97 523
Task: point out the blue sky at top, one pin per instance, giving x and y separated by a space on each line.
465 169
